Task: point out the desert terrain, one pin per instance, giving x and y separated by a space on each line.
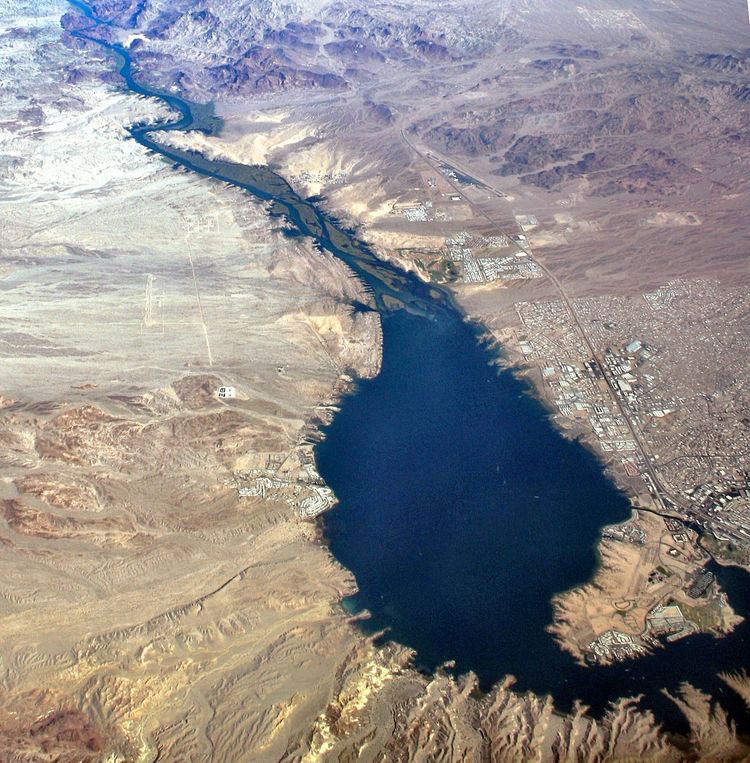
582 163
158 601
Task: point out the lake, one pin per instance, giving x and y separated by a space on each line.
463 512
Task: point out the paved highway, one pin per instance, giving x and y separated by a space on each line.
661 491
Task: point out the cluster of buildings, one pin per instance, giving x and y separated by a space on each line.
416 213
206 223
633 383
700 583
615 645
304 490
663 297
423 211
667 621
462 248
629 532
684 374
508 268
319 178
676 360
321 500
455 176
727 508
575 382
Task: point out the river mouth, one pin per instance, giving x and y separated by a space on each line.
463 511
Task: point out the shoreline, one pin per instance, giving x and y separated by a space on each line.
525 371
479 330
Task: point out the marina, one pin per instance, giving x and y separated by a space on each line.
462 510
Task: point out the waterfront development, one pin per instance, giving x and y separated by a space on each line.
463 512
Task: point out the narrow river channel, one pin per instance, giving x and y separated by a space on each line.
462 510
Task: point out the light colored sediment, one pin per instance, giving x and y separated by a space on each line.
153 607
146 609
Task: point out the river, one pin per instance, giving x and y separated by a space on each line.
462 509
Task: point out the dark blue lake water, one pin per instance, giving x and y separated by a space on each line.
463 512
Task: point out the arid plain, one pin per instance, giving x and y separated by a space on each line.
584 165
164 593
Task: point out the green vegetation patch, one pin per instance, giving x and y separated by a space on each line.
705 617
729 552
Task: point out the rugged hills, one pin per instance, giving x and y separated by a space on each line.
157 601
599 100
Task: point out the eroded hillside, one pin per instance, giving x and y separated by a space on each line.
157 602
